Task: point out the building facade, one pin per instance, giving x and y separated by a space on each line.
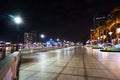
30 37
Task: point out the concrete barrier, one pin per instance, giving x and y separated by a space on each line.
34 50
9 67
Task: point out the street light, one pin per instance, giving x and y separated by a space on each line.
110 33
17 20
42 36
58 39
118 32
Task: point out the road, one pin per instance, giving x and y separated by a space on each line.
73 63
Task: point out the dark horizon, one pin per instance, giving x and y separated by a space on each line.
66 19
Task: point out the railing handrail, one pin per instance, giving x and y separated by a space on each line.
9 66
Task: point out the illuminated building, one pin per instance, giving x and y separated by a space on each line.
30 37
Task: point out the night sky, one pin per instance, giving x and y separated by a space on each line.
64 19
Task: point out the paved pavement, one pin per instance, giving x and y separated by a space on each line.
74 63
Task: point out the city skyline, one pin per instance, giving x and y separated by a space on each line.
70 20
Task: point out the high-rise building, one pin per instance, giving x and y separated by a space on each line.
30 37
99 20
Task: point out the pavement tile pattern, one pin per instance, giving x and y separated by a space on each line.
74 63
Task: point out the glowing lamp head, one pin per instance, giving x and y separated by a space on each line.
17 20
110 33
42 36
118 30
57 39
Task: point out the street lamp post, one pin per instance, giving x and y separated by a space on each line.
110 33
118 32
18 21
42 36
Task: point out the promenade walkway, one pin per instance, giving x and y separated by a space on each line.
74 63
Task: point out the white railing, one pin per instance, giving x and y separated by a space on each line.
9 67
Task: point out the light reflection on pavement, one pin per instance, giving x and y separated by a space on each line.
74 63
